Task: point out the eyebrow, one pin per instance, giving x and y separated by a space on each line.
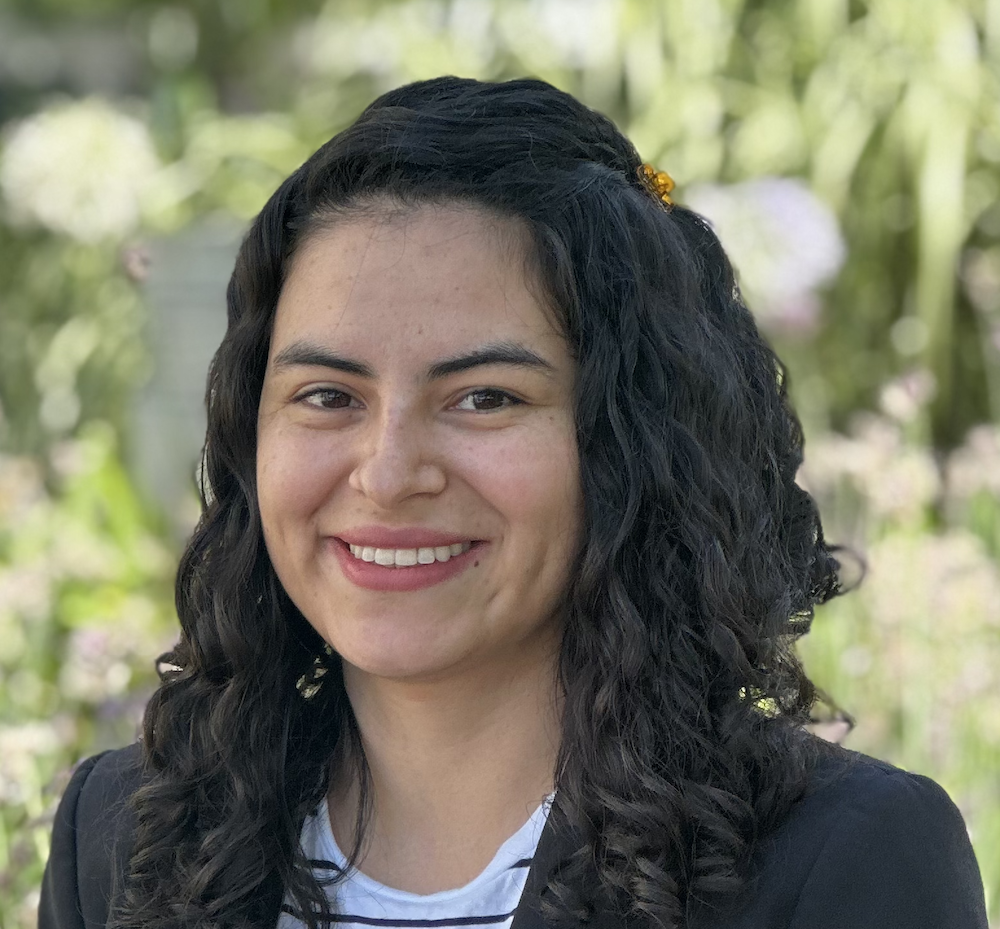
512 354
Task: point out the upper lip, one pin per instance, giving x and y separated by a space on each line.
407 537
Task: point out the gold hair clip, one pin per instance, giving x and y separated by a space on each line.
658 183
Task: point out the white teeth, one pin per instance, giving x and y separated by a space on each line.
407 557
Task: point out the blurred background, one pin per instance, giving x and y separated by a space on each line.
847 151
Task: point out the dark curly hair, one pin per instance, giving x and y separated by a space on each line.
702 560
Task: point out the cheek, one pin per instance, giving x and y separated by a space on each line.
294 476
535 485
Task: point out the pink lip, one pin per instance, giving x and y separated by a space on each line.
373 576
385 537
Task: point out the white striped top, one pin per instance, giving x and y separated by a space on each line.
489 899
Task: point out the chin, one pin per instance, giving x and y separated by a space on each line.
403 669
395 654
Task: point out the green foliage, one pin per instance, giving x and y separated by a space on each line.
883 115
84 608
69 338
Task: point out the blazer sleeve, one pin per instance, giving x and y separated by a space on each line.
899 857
91 840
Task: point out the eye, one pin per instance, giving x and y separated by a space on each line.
325 398
487 400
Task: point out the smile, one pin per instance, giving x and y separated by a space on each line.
406 569
408 557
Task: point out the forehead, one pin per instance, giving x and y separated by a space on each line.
432 275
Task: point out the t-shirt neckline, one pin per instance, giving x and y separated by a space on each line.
518 847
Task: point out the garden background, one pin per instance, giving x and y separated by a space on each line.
848 152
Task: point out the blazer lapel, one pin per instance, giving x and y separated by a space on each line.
557 843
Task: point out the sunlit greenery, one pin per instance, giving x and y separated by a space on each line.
848 151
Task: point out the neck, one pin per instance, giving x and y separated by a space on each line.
455 769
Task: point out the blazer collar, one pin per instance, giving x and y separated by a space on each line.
556 845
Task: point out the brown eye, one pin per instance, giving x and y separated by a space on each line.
326 398
487 400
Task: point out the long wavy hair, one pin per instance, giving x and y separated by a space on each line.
701 563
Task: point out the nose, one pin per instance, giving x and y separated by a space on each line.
396 460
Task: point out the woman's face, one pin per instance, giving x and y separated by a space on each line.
417 407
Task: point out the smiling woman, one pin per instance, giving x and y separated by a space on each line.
432 409
489 617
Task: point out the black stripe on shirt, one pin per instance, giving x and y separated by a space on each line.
322 865
410 923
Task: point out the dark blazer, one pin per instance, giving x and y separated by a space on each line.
868 847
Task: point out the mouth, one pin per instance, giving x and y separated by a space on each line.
407 557
399 570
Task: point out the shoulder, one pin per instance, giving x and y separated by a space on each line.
105 781
96 800
91 838
848 787
869 845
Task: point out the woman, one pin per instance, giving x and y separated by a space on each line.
489 615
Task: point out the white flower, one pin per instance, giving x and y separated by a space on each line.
903 398
22 746
21 488
893 480
783 241
78 169
947 579
975 466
